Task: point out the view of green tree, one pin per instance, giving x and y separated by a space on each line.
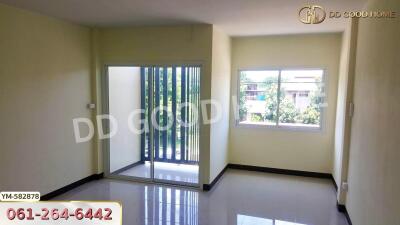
287 111
271 98
242 98
256 118
242 104
312 114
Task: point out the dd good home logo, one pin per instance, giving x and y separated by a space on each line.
312 14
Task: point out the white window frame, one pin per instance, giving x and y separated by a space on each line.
278 127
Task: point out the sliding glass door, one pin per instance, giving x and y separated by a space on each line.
156 111
176 147
125 97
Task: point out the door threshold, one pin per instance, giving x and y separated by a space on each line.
154 182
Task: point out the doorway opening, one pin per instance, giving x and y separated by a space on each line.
157 112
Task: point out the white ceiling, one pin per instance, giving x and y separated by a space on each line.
235 17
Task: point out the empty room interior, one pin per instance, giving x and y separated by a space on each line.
224 112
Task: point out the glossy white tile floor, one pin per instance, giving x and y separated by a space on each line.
166 171
240 198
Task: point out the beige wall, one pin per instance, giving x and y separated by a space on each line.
341 105
220 92
45 83
307 151
164 44
374 184
343 116
124 98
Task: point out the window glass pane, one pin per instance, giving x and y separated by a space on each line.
300 98
258 101
302 75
